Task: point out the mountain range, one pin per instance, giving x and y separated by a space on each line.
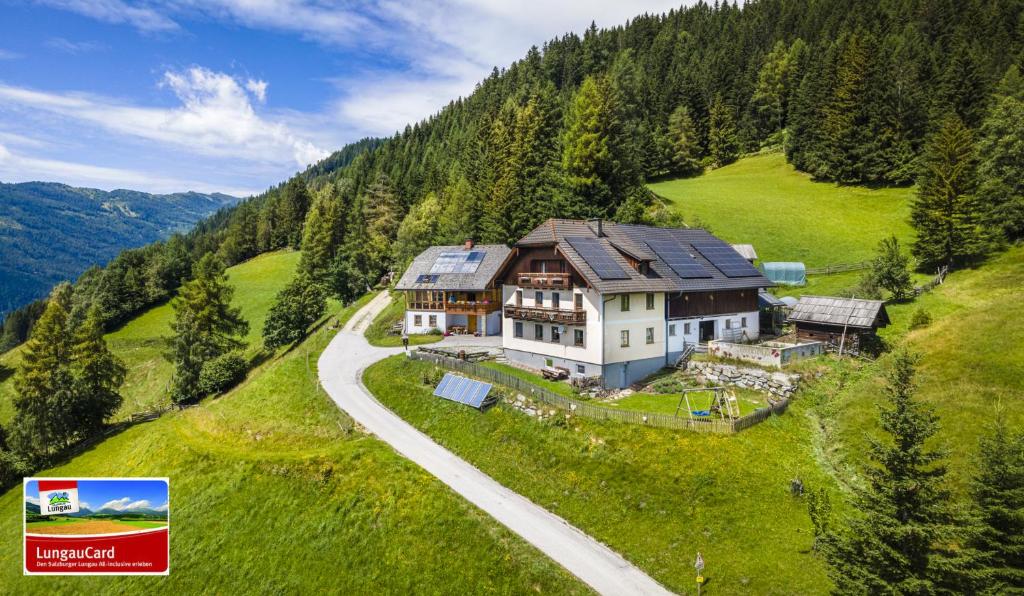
51 232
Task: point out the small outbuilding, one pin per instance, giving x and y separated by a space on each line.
846 324
785 273
772 312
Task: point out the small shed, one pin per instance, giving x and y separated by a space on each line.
785 273
849 324
746 251
772 312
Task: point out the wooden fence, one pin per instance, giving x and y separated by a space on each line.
838 268
587 410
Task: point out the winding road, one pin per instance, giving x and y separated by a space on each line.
341 369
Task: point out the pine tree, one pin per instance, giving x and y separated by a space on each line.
946 213
998 492
904 540
205 326
682 138
323 231
417 232
723 145
1001 159
382 213
770 94
98 374
300 304
891 269
847 133
44 383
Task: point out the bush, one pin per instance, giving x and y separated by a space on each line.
222 373
920 318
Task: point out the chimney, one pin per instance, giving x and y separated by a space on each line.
597 226
469 244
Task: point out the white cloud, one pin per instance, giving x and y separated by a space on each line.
15 167
216 117
142 18
258 88
125 504
33 500
84 505
162 507
8 55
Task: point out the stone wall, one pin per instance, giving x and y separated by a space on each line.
770 353
776 383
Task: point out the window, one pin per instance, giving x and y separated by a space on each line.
433 320
538 332
686 328
577 337
743 322
624 338
554 299
672 330
556 335
417 320
728 323
581 369
538 299
650 335
519 297
518 329
579 300
625 302
650 301
549 362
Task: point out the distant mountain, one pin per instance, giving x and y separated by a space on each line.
31 507
82 512
51 232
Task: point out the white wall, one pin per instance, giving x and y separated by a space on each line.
676 342
424 326
591 352
636 320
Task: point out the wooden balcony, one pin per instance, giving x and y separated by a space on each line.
544 280
439 306
472 307
547 315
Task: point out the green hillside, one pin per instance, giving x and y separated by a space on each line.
139 342
273 489
764 201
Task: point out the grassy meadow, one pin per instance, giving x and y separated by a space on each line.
764 201
140 342
274 492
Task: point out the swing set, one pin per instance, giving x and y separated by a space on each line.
724 403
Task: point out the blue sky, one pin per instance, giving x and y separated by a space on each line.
236 95
121 495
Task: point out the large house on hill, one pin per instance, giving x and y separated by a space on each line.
454 289
595 298
622 301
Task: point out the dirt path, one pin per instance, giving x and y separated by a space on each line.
340 368
85 526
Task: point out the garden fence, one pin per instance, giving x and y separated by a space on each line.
587 410
838 268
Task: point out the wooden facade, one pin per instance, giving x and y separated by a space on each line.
832 335
454 302
704 304
541 268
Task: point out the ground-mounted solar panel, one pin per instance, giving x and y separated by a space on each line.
593 252
678 258
458 262
726 259
466 391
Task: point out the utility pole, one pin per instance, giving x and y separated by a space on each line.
699 566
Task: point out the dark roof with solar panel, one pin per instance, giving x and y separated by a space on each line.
593 252
455 268
651 259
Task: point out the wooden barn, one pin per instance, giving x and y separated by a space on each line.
847 324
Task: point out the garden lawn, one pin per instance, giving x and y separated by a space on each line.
273 492
666 403
558 387
653 495
378 332
140 342
764 201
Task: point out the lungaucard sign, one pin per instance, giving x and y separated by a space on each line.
58 496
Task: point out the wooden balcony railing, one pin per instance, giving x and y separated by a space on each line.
430 305
472 306
544 280
547 315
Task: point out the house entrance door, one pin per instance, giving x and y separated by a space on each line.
707 331
472 323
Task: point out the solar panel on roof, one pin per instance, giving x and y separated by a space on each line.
426 279
458 262
592 251
726 259
464 391
678 258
